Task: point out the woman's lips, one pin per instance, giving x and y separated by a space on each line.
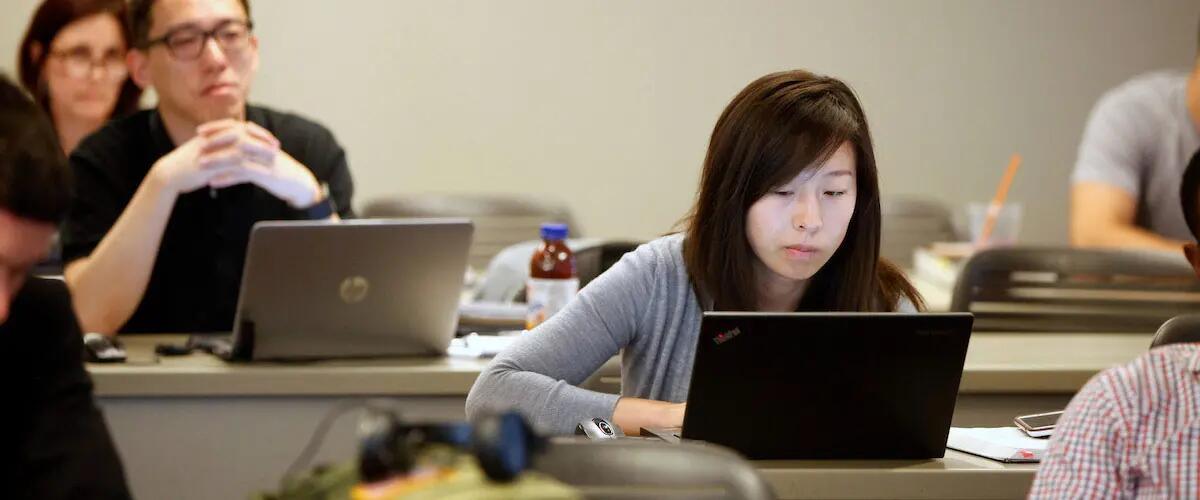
800 251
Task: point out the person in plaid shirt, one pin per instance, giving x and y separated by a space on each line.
1134 431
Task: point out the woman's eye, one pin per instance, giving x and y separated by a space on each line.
835 193
783 193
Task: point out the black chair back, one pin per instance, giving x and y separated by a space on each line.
1180 329
1075 290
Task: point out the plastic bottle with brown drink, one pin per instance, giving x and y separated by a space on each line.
552 279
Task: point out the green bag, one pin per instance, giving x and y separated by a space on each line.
449 474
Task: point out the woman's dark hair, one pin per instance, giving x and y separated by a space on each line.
51 17
777 126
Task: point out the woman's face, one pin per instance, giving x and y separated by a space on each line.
795 228
85 68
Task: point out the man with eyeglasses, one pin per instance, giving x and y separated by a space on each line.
156 236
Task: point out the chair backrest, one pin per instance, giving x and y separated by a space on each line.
1180 329
909 223
652 469
500 220
1071 289
505 276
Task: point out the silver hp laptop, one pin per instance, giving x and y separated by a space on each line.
359 288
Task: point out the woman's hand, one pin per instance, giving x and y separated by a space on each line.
633 414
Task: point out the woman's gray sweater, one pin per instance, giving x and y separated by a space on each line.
644 304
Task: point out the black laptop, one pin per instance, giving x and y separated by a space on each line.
827 386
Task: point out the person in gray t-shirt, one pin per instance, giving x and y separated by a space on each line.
787 218
1137 142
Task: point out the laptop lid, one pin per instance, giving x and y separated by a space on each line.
358 288
827 385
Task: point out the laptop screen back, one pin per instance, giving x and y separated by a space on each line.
818 386
362 288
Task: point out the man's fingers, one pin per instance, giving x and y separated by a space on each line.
228 157
225 181
226 176
219 140
261 133
259 153
213 127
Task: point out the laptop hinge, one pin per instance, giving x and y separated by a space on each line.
243 341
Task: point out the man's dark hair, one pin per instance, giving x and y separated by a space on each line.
1188 195
139 19
35 182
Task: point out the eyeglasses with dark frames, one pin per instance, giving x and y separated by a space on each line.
187 43
79 63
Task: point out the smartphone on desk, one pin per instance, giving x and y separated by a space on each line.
1038 425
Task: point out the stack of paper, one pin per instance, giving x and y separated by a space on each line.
941 263
1006 444
481 346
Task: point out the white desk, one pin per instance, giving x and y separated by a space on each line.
937 296
196 427
957 476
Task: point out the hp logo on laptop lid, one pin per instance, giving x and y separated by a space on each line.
354 289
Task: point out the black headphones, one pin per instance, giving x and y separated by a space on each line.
504 444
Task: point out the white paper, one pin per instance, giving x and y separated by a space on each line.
480 346
1006 444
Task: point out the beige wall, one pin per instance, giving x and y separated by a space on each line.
609 104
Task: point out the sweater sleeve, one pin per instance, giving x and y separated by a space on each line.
538 375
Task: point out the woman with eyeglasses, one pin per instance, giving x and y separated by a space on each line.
73 62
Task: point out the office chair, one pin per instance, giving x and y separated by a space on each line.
500 220
504 278
1074 290
652 469
1180 329
909 223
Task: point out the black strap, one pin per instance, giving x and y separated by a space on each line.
322 209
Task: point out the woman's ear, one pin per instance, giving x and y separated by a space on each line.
35 51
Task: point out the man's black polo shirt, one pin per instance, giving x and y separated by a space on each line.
196 277
57 444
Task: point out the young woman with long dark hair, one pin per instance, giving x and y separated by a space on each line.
787 218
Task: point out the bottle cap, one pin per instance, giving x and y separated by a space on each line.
554 231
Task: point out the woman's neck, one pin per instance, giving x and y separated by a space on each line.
72 129
777 294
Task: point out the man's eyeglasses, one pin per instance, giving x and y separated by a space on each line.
188 42
79 64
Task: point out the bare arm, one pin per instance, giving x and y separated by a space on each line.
107 285
633 414
1102 215
539 374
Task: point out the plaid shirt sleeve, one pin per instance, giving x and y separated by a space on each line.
1085 455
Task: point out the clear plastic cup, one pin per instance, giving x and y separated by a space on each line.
1005 230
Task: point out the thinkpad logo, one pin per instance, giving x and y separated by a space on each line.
724 337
